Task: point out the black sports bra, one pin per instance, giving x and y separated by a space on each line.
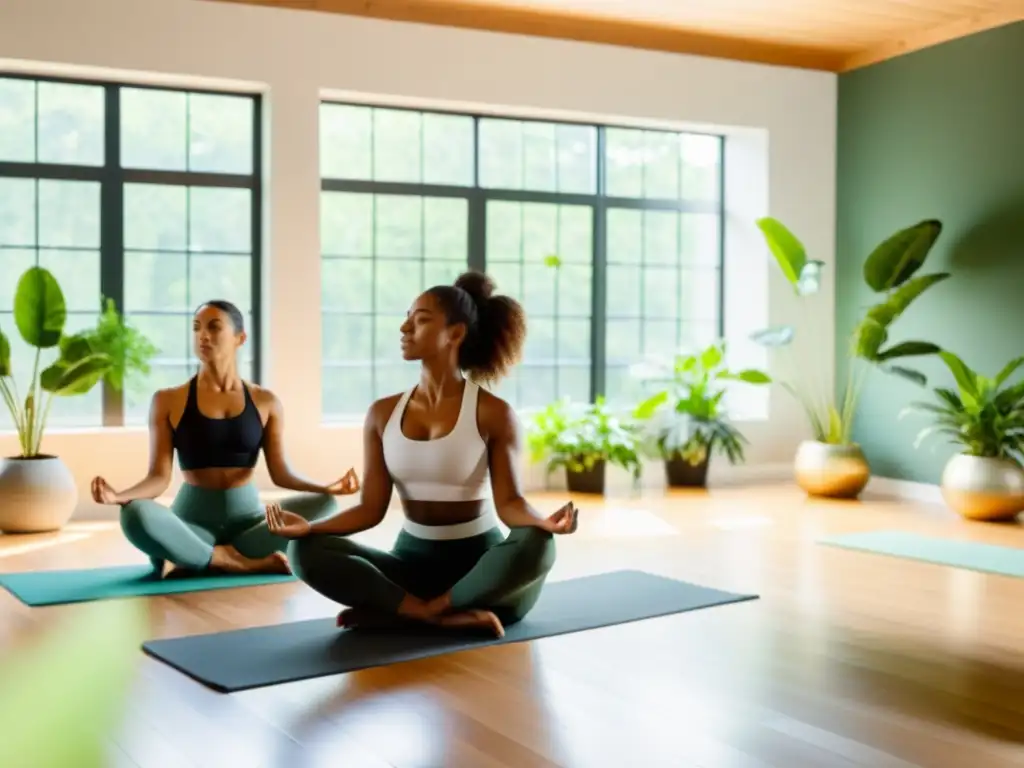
204 443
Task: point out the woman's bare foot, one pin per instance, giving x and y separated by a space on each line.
481 620
228 559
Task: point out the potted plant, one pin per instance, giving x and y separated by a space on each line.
583 438
685 420
37 491
984 418
831 464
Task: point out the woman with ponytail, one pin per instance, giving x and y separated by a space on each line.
451 450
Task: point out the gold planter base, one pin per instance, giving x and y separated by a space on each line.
983 489
831 471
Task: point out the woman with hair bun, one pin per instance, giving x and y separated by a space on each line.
450 448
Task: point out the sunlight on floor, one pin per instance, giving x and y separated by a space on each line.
736 523
620 522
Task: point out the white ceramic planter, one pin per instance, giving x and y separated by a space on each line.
831 471
36 495
980 488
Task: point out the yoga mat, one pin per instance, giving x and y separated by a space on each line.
252 658
987 558
38 588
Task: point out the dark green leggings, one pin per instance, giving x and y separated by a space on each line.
200 518
487 571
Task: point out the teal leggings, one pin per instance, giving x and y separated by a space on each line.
199 519
489 571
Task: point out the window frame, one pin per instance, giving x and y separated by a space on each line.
477 198
112 178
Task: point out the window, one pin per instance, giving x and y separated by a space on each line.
610 237
147 196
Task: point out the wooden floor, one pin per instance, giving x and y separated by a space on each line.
848 659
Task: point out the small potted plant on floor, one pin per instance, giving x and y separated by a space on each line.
684 421
37 490
583 438
984 418
831 464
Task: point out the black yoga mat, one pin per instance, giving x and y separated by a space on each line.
283 653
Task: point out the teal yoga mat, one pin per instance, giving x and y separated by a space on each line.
300 650
37 588
974 556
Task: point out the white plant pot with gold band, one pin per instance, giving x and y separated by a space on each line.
980 488
831 471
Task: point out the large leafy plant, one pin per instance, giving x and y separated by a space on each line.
685 416
64 693
578 435
107 352
890 272
983 416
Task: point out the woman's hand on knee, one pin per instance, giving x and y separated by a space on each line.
347 485
285 524
562 521
103 492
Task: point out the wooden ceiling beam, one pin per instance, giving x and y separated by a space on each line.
571 26
1008 13
566 25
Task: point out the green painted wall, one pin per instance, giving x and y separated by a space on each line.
934 134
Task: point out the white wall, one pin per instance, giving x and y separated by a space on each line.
781 125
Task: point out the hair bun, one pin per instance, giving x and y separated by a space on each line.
478 285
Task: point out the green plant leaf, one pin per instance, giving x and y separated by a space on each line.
5 355
909 349
748 376
711 357
68 379
899 256
647 408
786 247
835 426
1008 371
906 373
64 694
39 308
868 338
886 312
75 348
966 379
777 336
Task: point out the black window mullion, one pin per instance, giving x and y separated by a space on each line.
112 236
599 280
256 220
477 232
721 237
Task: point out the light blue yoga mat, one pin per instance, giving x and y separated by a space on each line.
972 555
38 588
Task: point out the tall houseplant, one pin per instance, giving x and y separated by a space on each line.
37 491
685 420
831 464
984 418
583 438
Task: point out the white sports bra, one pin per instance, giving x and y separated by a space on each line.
450 468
